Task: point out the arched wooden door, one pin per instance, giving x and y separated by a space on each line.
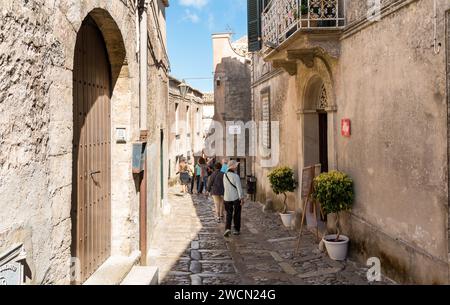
91 206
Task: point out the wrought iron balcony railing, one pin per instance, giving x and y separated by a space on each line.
282 18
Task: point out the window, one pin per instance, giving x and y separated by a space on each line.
198 121
266 120
254 9
177 118
188 120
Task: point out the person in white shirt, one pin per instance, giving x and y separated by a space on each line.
233 198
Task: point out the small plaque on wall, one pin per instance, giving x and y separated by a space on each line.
346 128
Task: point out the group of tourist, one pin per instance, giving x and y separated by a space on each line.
221 181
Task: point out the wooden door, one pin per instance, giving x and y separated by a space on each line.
91 206
323 141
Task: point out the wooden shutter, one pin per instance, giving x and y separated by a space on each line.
254 25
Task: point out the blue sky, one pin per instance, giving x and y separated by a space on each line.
190 24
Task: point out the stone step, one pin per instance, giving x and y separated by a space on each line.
114 270
142 276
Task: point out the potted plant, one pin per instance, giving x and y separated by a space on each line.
334 191
282 182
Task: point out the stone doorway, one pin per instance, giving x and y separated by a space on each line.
316 126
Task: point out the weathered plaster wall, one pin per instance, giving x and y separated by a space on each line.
392 86
37 42
283 102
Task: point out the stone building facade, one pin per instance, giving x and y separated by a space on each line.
384 70
232 98
208 112
69 89
185 115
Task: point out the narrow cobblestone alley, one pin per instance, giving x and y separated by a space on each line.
189 248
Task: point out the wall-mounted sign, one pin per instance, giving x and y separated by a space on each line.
121 135
346 128
235 130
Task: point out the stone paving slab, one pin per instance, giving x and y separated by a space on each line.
190 249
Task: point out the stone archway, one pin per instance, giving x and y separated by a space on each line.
317 113
316 127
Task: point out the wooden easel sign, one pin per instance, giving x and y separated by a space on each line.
308 175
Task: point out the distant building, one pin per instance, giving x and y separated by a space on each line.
208 112
232 98
185 114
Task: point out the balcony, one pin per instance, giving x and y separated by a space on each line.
283 18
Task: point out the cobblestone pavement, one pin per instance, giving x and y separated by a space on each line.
189 248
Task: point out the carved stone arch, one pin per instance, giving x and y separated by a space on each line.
114 41
316 86
313 90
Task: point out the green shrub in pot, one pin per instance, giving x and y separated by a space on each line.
334 191
282 181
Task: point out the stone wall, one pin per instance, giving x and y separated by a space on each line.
37 42
448 113
399 117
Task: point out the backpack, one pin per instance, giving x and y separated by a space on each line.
185 177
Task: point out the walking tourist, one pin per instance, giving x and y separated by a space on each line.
216 189
233 199
185 176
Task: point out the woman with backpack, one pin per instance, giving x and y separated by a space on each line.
233 198
185 176
215 188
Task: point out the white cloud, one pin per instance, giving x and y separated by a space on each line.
211 22
192 17
194 3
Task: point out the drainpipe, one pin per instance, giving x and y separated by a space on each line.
143 60
142 42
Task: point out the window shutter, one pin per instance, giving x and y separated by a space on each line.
254 25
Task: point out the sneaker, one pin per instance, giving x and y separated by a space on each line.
237 233
227 233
